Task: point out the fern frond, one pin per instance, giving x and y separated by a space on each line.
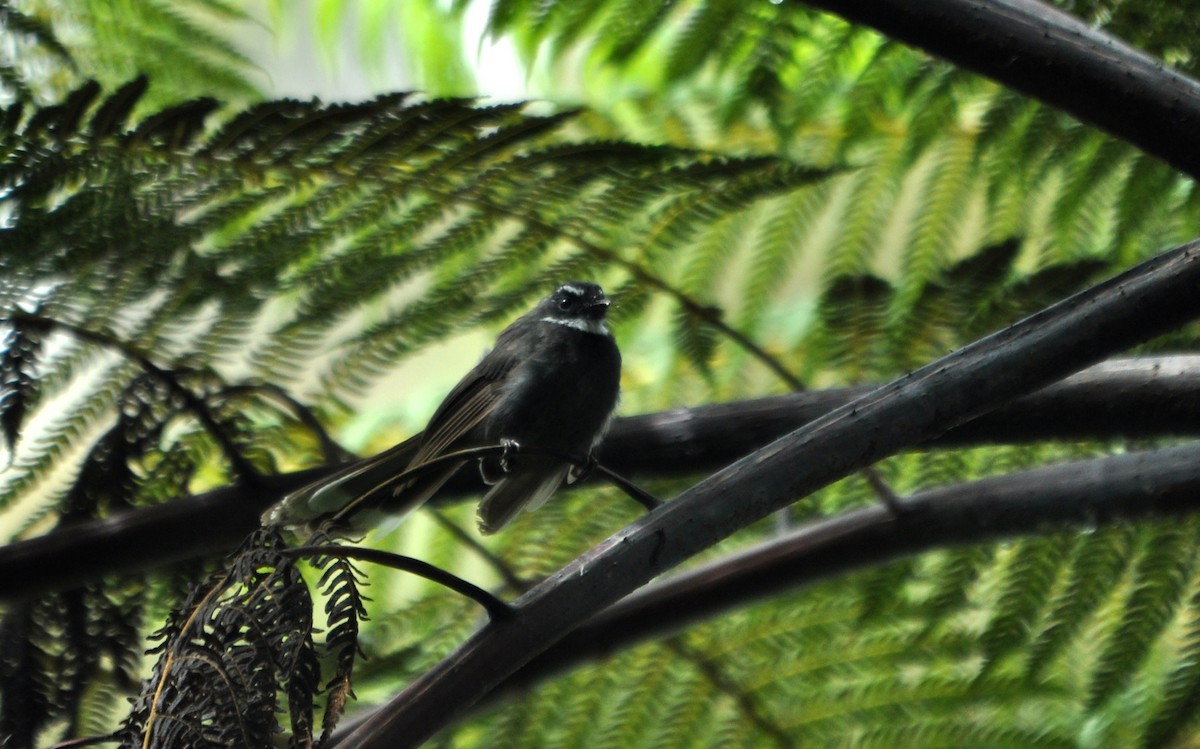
60 647
625 27
1033 568
177 44
18 365
63 433
1097 560
883 590
956 572
242 220
1136 206
882 701
964 733
705 27
15 22
853 313
1176 710
1159 580
243 635
345 608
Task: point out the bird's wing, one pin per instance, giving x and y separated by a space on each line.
370 482
471 400
363 483
467 404
470 409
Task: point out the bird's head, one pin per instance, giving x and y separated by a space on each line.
575 301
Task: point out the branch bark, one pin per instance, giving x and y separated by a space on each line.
1041 51
1120 399
1148 300
1074 495
1069 496
1132 398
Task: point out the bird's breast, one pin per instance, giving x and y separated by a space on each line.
560 398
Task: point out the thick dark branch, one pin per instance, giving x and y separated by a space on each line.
1079 494
207 524
1082 494
1125 398
1040 51
1120 399
1151 299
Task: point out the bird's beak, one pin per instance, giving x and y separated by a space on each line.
597 308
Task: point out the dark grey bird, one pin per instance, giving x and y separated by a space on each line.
546 392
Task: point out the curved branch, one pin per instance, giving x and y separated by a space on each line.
1151 299
495 608
1136 398
1052 56
1075 495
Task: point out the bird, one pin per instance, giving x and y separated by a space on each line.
545 393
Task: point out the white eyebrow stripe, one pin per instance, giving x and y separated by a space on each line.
572 289
587 325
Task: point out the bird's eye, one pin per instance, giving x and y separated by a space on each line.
564 304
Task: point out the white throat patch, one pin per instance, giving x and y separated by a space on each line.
587 325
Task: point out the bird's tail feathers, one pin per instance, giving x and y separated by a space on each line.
383 505
369 485
516 491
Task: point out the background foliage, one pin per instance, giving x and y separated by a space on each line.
752 169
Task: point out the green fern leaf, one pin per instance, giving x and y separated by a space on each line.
1096 561
1176 711
1031 572
1159 581
18 363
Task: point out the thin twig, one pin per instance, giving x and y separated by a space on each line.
640 495
496 608
331 451
510 578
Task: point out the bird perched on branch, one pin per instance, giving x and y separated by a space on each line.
544 395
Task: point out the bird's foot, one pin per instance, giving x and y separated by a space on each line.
581 470
510 449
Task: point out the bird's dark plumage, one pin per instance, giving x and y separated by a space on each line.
550 384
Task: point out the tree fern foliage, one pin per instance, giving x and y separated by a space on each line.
412 218
163 247
224 655
188 278
28 36
947 162
184 46
21 351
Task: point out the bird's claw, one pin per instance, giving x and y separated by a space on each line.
581 470
510 448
